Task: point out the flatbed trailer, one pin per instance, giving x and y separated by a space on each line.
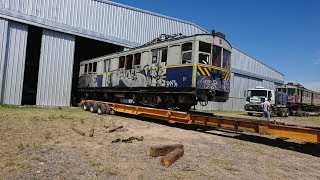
280 130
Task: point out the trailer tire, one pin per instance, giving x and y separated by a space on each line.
86 105
281 113
94 107
102 109
287 113
299 113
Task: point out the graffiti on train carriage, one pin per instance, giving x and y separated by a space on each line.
144 77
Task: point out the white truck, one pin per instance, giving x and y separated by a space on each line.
255 97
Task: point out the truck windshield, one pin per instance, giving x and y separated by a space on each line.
258 93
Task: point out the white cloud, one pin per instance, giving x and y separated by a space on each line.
315 86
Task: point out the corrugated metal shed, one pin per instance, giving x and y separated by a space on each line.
102 20
55 72
13 66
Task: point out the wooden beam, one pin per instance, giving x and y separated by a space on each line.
156 151
114 129
171 157
78 131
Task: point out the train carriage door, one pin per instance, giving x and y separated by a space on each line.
153 71
106 70
162 69
157 73
95 81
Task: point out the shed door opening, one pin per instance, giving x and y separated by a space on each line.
30 82
87 49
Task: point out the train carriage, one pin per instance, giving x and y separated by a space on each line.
171 71
300 97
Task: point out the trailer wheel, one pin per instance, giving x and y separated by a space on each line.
94 107
300 113
101 109
287 113
86 105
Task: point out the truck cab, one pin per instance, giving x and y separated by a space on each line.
255 97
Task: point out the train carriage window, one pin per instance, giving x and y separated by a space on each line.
216 56
204 52
204 47
90 68
155 55
121 62
226 59
291 91
94 69
204 58
129 61
186 53
137 59
164 55
85 69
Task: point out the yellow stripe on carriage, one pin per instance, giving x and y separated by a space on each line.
207 71
201 71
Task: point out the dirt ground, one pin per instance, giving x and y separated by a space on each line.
38 143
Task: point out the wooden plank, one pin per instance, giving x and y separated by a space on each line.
171 157
114 129
156 151
78 131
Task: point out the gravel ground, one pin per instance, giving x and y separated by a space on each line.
38 143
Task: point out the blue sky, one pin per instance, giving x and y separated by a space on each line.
284 34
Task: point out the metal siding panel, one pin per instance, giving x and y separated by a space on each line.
246 63
15 61
3 50
55 69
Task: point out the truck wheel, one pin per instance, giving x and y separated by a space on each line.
94 107
101 109
86 105
250 114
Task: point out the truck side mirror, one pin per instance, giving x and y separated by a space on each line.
248 99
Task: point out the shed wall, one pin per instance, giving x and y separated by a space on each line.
14 61
247 64
3 47
55 69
